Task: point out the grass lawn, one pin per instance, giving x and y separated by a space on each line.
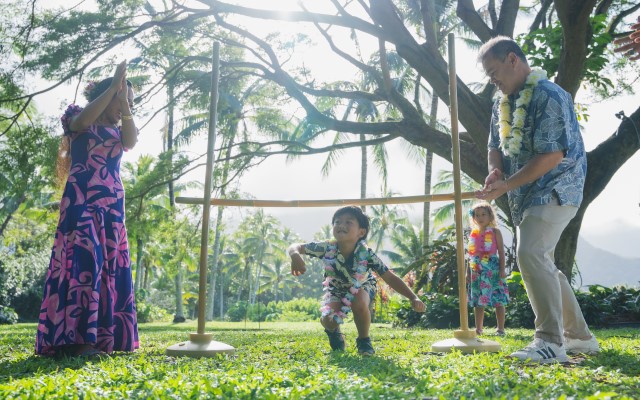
292 360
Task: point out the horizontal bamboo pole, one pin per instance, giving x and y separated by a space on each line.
328 202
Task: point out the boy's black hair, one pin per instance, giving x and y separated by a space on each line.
360 216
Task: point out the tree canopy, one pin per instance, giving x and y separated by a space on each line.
569 38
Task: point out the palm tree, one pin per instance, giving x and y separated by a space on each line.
384 220
444 215
147 202
407 241
277 276
257 236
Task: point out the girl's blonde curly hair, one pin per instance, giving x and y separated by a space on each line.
488 208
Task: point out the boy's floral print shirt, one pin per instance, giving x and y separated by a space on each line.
345 269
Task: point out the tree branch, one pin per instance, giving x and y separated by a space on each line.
468 14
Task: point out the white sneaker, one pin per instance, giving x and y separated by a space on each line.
575 346
542 352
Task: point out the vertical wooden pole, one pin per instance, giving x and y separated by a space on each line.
206 211
201 343
457 191
463 339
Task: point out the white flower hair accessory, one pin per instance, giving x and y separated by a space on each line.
510 126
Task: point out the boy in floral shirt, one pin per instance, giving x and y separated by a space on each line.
349 284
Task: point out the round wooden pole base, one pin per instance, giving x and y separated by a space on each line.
200 345
465 342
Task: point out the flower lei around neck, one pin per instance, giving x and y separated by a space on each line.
481 246
511 125
359 277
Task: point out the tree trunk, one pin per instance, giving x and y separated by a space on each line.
145 282
214 265
363 171
243 279
170 123
256 286
179 317
139 266
428 167
221 296
275 290
10 215
577 15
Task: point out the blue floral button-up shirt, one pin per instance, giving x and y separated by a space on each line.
551 125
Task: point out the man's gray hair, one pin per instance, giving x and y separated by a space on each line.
499 48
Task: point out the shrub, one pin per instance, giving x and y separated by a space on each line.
305 305
295 316
602 306
294 310
258 312
22 279
8 316
437 268
238 311
519 313
443 311
151 313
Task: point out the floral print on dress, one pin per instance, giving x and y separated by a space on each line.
88 294
486 288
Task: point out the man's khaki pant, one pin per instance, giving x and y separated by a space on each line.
554 304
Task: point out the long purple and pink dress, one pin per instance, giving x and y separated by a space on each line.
88 293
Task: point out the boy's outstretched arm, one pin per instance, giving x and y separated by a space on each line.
297 262
399 286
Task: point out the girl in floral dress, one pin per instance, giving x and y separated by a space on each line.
88 305
349 284
487 283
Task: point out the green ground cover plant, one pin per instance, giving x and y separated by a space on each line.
292 360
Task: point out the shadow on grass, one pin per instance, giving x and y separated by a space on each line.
624 362
381 368
193 328
38 365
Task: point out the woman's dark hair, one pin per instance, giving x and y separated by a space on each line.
101 87
357 213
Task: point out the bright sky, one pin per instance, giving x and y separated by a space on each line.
275 179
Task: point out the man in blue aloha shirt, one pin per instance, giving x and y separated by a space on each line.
536 156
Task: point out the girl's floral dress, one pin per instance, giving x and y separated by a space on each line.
88 294
486 287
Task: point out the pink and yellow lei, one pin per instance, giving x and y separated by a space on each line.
481 246
357 279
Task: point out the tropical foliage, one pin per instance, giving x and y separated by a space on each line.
391 75
390 78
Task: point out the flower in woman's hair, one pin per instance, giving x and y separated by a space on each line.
470 212
88 89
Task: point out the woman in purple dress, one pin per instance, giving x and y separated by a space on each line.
88 306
